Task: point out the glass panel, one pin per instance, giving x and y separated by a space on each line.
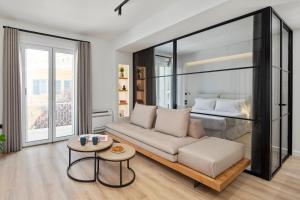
275 41
276 71
37 98
163 84
285 49
234 87
164 59
64 63
285 92
218 48
276 93
284 140
275 144
164 92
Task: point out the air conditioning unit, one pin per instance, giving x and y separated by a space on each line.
100 118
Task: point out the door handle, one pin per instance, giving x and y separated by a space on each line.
282 104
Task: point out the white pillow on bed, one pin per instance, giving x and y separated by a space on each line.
229 105
204 104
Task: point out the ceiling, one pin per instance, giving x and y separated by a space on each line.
97 17
289 10
91 17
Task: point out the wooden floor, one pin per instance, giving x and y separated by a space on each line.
40 173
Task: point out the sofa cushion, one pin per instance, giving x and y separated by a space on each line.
211 155
143 115
161 141
167 156
173 122
196 129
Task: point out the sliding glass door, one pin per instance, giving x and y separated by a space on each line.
64 93
48 94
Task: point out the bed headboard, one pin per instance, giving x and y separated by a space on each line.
208 95
235 96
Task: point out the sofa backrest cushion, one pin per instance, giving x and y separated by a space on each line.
196 129
173 122
143 115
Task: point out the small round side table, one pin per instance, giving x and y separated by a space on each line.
74 145
108 155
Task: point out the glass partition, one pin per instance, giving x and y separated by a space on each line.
215 79
235 77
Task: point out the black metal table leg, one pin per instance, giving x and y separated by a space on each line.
79 160
95 163
69 157
121 175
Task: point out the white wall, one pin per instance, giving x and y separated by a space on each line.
296 94
102 64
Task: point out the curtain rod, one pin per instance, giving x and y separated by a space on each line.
46 34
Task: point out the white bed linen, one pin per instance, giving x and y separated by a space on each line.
227 128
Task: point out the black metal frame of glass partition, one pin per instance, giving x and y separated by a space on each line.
283 25
265 81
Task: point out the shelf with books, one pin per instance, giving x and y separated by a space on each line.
141 84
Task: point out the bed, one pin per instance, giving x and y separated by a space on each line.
223 117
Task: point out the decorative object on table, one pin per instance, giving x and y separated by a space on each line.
95 140
2 141
122 72
117 149
103 138
82 141
124 88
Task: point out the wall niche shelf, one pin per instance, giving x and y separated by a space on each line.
123 90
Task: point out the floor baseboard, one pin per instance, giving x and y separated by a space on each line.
296 153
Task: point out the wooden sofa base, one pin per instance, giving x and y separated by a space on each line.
218 183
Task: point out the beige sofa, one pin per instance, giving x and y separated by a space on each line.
208 156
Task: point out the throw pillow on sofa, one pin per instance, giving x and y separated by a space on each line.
173 122
196 129
143 115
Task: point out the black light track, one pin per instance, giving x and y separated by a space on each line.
119 7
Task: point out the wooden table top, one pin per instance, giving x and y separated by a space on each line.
75 145
110 156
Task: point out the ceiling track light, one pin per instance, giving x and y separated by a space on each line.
119 7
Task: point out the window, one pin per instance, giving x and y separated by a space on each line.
58 86
39 87
67 85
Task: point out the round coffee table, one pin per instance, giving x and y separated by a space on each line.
74 145
108 155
